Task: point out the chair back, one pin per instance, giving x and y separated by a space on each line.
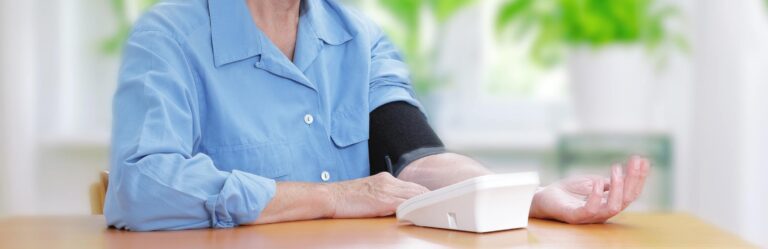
98 192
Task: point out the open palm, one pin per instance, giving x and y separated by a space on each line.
589 198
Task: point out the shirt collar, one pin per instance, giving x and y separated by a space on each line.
327 25
235 36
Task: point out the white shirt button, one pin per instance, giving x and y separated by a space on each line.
325 176
309 119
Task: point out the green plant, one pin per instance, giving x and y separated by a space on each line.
410 16
559 24
120 9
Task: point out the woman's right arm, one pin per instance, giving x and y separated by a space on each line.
373 196
158 183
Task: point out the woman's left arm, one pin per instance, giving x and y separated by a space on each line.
576 200
437 171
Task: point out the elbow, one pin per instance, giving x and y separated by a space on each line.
125 211
137 203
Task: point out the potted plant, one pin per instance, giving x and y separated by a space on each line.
412 18
609 48
126 12
413 21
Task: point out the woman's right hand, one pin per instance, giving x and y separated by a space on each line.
377 195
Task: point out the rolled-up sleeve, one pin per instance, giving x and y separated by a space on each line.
157 180
389 76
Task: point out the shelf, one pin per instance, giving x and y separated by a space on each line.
85 141
499 140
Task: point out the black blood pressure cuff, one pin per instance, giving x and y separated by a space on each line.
399 135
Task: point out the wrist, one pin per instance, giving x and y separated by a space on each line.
534 211
330 193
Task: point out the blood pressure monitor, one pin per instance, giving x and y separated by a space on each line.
481 204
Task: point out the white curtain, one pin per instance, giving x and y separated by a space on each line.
729 125
18 109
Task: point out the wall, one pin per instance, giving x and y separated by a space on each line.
55 90
18 91
729 117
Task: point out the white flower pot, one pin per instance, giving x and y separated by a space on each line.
612 88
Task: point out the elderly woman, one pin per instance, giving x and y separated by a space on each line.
236 112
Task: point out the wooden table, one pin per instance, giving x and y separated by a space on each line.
634 230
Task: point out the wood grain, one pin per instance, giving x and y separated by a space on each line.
631 230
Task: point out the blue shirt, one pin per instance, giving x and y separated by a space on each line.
208 113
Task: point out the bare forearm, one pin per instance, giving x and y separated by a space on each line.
373 196
437 171
298 201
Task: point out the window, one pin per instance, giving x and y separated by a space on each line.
487 84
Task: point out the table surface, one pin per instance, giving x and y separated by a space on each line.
638 230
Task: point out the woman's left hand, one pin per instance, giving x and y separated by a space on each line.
592 199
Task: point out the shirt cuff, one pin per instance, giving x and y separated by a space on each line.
384 94
241 200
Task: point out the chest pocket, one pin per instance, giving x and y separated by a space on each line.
349 127
271 160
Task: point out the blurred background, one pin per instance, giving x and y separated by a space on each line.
556 86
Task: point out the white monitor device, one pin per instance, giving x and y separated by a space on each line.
481 204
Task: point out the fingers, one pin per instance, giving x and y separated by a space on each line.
596 197
615 202
409 190
637 171
582 185
616 196
421 189
587 212
405 190
624 188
